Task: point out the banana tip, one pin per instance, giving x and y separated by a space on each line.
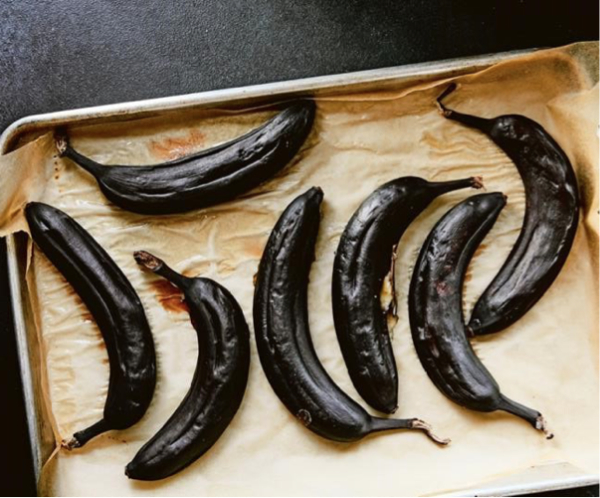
473 327
426 428
147 260
317 192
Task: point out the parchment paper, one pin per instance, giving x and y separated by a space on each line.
548 360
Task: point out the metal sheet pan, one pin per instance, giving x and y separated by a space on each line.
539 479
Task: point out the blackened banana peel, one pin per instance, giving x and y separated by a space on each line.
115 306
209 177
283 337
364 259
219 380
435 309
549 227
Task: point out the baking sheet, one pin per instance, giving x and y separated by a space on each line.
548 360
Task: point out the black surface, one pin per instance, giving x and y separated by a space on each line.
64 54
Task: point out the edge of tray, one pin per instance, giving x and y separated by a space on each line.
14 285
304 85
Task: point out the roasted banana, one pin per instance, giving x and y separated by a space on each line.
435 309
116 308
209 177
551 217
219 380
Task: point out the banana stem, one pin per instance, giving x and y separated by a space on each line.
466 119
62 144
82 437
452 185
387 424
532 416
425 427
65 150
158 266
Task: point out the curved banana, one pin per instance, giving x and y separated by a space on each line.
549 227
435 309
209 177
116 308
219 380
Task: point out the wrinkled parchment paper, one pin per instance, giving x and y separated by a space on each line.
548 360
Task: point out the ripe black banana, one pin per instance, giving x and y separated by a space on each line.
116 308
364 262
549 227
435 309
283 337
219 380
209 177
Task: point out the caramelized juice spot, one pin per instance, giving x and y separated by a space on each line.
479 250
176 147
169 296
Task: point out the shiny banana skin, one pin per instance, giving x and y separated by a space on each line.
283 337
219 381
364 259
549 227
209 177
116 308
435 309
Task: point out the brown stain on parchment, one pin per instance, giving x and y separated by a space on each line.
242 249
169 296
479 250
254 247
175 147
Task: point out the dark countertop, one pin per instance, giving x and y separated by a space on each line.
57 55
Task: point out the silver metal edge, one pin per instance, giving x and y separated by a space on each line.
131 109
179 102
532 487
538 487
23 354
